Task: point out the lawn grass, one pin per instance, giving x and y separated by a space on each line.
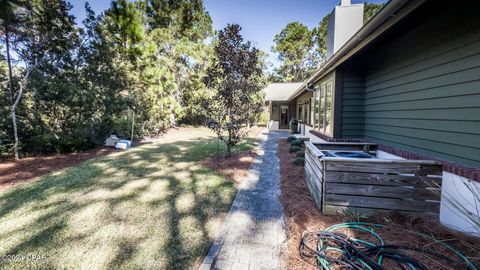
152 207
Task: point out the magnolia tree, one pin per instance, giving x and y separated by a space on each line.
237 79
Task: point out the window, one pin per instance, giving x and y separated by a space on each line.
306 113
312 104
323 99
328 110
321 124
309 120
317 110
303 110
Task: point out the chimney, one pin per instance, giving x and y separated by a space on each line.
345 20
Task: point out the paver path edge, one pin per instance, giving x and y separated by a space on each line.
254 229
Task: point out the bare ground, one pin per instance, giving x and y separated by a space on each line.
302 215
13 172
236 166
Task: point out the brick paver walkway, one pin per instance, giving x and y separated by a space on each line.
253 231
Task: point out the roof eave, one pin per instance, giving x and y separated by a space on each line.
390 14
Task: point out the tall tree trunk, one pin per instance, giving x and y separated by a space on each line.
22 84
15 132
10 77
172 116
229 142
133 126
14 102
14 122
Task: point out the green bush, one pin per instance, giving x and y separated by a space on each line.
6 149
300 154
41 143
298 161
296 143
293 126
262 118
291 138
295 148
6 145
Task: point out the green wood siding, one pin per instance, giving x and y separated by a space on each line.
422 89
353 119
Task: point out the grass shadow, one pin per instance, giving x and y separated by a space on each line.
150 207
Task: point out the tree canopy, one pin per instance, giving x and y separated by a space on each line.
300 50
294 45
66 87
76 85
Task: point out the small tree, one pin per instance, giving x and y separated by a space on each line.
236 76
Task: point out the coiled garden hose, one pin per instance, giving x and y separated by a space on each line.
359 254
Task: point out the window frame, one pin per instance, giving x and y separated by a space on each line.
322 105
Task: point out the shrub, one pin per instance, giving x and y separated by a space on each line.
6 149
298 161
41 143
262 118
291 138
294 126
353 215
300 154
296 143
295 148
6 145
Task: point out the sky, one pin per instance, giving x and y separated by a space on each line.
260 20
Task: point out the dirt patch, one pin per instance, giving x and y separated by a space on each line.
13 172
254 131
302 215
234 167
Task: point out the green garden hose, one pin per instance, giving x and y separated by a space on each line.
361 254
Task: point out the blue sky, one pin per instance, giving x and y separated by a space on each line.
261 20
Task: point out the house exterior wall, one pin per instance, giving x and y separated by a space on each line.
418 89
274 113
311 137
304 101
458 200
353 99
422 89
458 204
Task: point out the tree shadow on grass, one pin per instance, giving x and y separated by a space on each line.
152 205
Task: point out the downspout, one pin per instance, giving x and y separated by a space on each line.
308 88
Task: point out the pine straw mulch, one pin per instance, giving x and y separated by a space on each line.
13 172
302 215
236 166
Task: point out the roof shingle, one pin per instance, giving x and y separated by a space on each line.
280 91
